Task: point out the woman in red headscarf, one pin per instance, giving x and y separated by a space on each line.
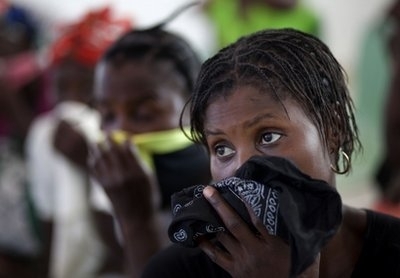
57 148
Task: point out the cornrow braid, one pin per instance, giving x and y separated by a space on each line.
291 64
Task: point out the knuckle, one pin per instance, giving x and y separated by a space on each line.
234 226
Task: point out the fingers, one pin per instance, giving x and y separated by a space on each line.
118 155
114 164
216 254
258 224
93 154
233 222
96 162
244 253
107 160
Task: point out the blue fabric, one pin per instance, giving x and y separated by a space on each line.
20 15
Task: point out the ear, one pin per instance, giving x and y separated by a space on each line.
333 143
333 140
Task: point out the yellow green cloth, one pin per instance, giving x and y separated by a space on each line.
230 24
159 142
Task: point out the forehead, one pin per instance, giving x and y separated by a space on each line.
70 68
247 104
132 78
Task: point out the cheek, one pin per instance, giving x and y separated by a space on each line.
110 126
318 168
165 121
173 116
314 161
219 172
215 171
170 113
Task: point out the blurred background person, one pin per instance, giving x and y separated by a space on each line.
388 171
342 26
142 84
22 97
376 91
57 148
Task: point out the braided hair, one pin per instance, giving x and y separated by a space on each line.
291 64
155 44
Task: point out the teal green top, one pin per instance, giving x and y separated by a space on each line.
230 25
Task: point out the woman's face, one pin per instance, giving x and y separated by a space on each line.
139 97
249 122
73 81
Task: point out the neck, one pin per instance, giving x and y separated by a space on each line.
341 254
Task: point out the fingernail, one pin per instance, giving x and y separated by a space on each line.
208 191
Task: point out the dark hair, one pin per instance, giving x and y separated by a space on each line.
16 15
290 63
156 44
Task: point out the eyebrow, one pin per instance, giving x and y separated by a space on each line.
209 132
248 123
149 96
258 119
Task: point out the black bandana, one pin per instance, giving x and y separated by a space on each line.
304 212
177 169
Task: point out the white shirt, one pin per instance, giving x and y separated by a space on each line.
60 192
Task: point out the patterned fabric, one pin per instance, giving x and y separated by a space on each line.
304 212
86 40
379 256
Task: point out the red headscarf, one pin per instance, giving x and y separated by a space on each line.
86 40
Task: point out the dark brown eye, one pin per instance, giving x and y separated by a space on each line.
270 137
223 151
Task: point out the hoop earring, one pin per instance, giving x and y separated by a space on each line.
346 164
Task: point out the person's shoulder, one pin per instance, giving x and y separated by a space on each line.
355 219
373 226
383 226
178 261
380 254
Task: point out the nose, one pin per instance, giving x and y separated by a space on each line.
242 154
245 153
121 122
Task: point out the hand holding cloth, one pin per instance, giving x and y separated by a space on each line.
304 212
